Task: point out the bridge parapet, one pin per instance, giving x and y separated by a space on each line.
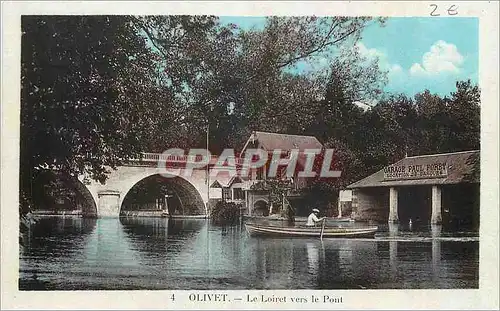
149 157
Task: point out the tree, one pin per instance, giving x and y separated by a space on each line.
366 141
389 133
465 115
238 81
449 124
286 95
85 94
433 123
197 60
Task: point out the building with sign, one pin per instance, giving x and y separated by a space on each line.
432 188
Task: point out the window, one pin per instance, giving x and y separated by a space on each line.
226 194
238 194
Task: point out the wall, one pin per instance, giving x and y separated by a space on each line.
254 196
371 204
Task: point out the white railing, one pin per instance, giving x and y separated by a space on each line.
155 157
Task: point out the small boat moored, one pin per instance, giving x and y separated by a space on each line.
276 231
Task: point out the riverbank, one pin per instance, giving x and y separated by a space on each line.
56 213
153 214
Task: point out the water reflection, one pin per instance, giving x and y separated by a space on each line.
349 264
57 235
312 257
306 263
52 245
436 252
158 253
393 248
108 253
168 244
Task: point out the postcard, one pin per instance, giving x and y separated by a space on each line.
249 155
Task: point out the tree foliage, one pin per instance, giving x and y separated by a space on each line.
400 126
84 95
236 81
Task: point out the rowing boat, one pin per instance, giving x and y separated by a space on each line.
275 231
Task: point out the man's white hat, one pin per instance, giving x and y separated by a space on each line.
315 210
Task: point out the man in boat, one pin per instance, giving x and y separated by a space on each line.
313 218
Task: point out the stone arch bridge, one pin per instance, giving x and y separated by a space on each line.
192 190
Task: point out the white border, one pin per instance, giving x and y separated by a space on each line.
487 297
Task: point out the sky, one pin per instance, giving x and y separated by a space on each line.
418 52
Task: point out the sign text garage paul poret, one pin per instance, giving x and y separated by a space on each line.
417 171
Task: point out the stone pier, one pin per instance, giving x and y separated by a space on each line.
393 205
109 203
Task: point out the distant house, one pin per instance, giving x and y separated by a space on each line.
232 190
271 142
257 199
434 188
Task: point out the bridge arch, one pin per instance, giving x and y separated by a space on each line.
58 193
90 208
183 197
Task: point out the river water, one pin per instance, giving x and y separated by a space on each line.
156 253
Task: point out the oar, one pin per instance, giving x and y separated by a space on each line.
322 229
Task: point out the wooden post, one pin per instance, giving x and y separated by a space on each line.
284 209
246 199
322 229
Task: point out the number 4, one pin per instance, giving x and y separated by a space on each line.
172 297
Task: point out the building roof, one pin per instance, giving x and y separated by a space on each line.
216 184
432 169
272 141
225 181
